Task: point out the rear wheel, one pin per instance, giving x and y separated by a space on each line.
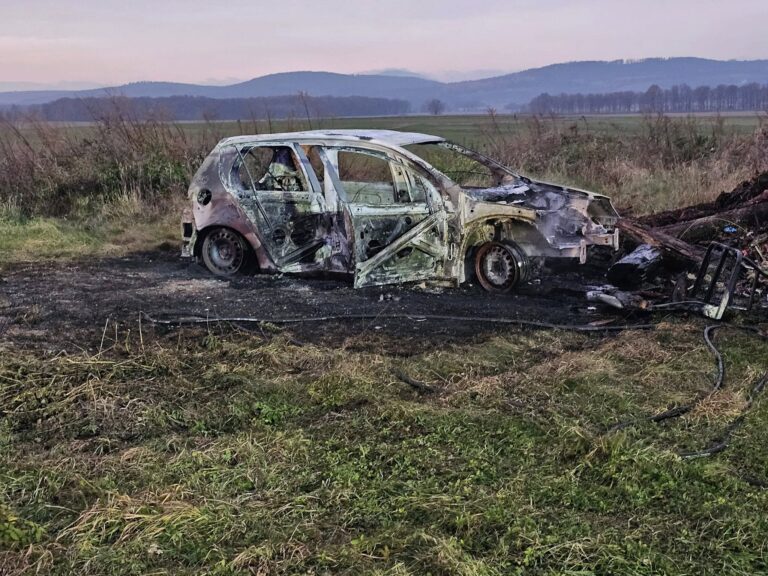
500 266
224 252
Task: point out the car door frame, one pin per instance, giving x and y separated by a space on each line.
429 236
266 201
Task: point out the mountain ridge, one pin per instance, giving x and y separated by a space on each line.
517 88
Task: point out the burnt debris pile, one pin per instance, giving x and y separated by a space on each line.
713 256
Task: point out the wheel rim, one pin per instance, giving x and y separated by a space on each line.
499 267
225 252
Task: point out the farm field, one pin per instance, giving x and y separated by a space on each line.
117 184
387 439
466 129
473 128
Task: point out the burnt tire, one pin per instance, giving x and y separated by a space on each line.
225 252
501 266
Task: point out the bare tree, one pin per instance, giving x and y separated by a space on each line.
304 97
435 106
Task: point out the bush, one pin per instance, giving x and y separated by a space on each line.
56 170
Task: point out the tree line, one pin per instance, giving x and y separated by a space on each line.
682 98
183 108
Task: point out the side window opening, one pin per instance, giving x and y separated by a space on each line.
270 168
367 178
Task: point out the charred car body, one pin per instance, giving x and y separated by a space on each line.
364 204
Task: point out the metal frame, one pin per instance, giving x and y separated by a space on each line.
740 263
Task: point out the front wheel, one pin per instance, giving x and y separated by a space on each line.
224 252
500 266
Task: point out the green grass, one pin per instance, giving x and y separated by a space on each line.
26 239
224 452
472 129
119 227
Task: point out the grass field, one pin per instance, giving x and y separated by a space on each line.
223 452
475 128
465 129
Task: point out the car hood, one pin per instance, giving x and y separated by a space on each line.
541 196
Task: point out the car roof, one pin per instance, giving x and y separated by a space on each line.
382 137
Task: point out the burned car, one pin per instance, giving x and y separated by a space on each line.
382 207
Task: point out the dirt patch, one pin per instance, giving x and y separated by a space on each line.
68 304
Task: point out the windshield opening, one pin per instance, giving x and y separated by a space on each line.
466 171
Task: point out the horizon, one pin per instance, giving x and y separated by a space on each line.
104 43
452 76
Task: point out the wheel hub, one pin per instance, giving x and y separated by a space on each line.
500 266
225 251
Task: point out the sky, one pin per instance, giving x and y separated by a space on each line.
80 43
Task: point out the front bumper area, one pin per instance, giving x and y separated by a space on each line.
607 239
577 249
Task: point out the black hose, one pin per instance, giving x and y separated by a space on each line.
720 378
678 411
399 316
721 443
413 383
681 305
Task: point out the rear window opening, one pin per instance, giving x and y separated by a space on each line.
270 168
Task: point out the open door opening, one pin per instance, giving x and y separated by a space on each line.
395 216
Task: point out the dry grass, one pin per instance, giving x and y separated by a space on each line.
119 164
669 162
126 225
53 170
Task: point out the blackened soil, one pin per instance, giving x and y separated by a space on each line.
77 305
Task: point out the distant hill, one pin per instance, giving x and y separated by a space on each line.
408 88
402 72
500 91
616 76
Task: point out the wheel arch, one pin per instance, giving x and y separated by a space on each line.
260 259
202 233
520 231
